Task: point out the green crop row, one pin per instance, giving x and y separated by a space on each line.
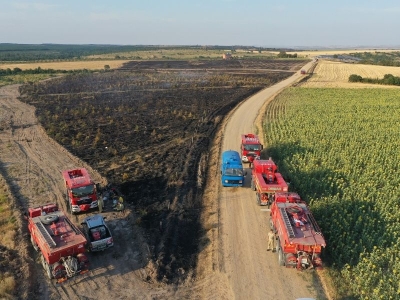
340 150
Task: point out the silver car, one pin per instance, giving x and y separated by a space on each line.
97 233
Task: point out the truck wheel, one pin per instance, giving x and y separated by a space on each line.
271 225
253 187
35 246
58 270
67 202
258 199
70 208
49 219
271 199
46 267
281 257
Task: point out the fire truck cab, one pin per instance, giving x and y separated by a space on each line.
250 147
81 192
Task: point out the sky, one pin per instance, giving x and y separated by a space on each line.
262 23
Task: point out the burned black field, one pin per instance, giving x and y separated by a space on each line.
147 128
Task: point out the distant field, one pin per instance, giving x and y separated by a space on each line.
116 59
336 74
176 54
339 51
185 54
72 65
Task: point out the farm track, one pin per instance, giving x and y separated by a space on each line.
236 257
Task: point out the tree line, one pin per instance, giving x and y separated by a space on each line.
388 79
378 58
32 52
53 52
283 54
39 70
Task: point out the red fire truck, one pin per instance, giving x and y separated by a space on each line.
266 181
300 240
250 147
81 190
61 244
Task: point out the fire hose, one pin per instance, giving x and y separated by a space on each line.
71 266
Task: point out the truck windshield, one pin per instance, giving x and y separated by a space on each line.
83 191
234 172
252 147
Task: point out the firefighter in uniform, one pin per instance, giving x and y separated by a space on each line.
271 240
100 203
120 204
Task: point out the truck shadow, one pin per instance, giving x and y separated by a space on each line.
316 183
247 177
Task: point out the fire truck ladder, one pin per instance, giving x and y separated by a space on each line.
314 224
288 226
46 234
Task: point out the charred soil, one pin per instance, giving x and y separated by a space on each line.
147 129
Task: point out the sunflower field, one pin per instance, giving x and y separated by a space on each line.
340 150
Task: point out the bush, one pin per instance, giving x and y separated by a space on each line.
355 78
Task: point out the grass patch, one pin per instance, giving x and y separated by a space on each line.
22 79
8 227
7 221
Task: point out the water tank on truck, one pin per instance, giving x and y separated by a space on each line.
61 244
266 181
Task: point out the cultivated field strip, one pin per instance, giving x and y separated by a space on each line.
336 74
340 148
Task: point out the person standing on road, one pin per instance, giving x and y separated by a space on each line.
121 204
100 203
271 240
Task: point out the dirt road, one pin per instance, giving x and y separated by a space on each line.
239 263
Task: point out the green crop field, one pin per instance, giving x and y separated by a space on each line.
340 149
